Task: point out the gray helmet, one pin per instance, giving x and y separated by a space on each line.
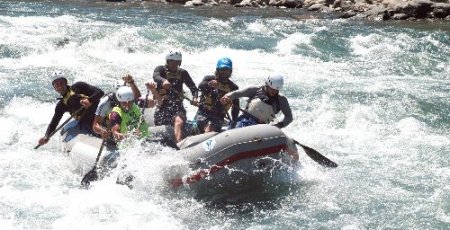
174 55
275 81
125 94
56 76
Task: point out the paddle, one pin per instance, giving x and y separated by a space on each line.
62 125
93 175
143 108
316 156
312 153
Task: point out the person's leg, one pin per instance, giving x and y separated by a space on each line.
244 121
214 125
178 128
197 125
159 117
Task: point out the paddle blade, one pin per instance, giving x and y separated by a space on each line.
89 177
317 157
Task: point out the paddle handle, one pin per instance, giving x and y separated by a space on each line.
61 126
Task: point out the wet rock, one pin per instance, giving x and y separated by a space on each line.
371 9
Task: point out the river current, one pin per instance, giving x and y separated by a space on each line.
372 96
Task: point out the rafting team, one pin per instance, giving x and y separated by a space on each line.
120 113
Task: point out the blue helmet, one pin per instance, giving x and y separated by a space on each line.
224 63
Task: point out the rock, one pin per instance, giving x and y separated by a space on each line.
372 9
348 14
316 7
399 16
195 3
441 10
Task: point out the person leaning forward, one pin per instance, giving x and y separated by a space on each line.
211 113
170 79
108 102
126 118
263 104
76 96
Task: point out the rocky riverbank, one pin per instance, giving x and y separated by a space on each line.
370 9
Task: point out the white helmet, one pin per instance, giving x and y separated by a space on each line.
56 76
118 84
125 94
174 55
275 81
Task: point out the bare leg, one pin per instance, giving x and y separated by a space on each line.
209 128
178 129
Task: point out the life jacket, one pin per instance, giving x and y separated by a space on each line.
209 100
173 78
130 120
72 102
263 107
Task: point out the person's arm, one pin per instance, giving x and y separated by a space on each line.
189 83
59 112
98 128
287 112
246 92
94 93
115 121
235 106
204 86
157 99
104 106
159 75
130 82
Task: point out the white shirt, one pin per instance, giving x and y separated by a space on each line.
104 107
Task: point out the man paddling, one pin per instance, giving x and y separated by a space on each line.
170 79
74 97
263 104
211 113
109 101
126 117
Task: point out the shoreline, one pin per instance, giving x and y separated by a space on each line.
355 9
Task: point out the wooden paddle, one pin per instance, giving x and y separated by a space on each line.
62 125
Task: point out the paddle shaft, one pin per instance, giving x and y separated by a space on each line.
92 174
62 125
143 107
99 153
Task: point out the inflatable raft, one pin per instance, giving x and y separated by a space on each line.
238 159
82 148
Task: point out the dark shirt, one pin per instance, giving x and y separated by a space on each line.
159 76
215 94
78 88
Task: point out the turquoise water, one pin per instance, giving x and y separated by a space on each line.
371 96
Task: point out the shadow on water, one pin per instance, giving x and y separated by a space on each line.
252 198
252 202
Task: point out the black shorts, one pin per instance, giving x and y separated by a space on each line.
203 118
165 115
